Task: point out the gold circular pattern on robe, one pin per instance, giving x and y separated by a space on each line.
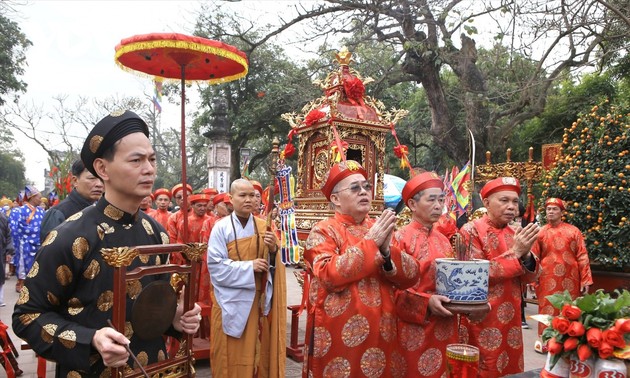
355 331
50 238
48 331
515 337
161 356
27 319
107 373
128 330
143 358
411 336
505 312
398 364
503 361
113 212
64 275
408 266
147 227
158 260
80 247
314 239
52 298
373 362
165 239
74 217
95 143
144 258
387 327
490 338
105 300
34 270
24 296
370 291
134 287
351 262
322 341
338 367
92 270
68 338
336 304
73 374
430 361
74 306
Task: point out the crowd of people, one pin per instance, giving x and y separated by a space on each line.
372 307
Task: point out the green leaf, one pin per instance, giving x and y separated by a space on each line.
587 303
557 300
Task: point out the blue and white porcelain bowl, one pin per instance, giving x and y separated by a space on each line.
462 281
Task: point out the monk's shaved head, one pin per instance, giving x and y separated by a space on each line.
240 184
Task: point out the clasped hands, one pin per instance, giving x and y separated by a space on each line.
110 343
524 238
382 230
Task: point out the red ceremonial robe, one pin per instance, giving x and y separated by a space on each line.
351 322
423 337
499 335
564 263
162 217
194 236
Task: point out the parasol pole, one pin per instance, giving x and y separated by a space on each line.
184 156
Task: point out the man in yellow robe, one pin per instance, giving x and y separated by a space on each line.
248 324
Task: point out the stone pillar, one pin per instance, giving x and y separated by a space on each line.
219 149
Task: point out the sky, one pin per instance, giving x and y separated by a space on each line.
73 53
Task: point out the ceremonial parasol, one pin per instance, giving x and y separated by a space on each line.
184 58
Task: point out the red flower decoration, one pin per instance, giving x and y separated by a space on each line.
576 329
354 88
401 150
314 116
594 337
561 324
570 343
571 312
584 352
289 150
605 350
553 346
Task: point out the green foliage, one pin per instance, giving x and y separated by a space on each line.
12 171
592 178
13 44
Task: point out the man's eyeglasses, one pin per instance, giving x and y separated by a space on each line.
356 187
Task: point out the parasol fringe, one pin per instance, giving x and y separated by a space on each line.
183 45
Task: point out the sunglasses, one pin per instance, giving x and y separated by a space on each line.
357 186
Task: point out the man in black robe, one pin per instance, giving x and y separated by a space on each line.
63 309
87 190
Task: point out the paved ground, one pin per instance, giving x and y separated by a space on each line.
28 362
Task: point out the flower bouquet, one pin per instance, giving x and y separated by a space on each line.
595 325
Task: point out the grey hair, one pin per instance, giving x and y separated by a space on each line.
416 197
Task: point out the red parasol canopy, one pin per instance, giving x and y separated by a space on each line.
164 54
183 57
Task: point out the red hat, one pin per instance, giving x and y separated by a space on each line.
162 191
209 191
227 199
339 172
500 184
257 186
421 182
199 198
218 198
178 188
555 202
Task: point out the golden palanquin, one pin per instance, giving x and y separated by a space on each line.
361 124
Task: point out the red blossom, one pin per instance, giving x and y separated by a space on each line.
623 325
553 346
576 329
354 88
571 343
614 338
571 312
594 337
584 352
605 350
561 324
313 116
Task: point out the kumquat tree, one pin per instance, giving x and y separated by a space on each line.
593 178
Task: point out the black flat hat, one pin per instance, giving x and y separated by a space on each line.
108 131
